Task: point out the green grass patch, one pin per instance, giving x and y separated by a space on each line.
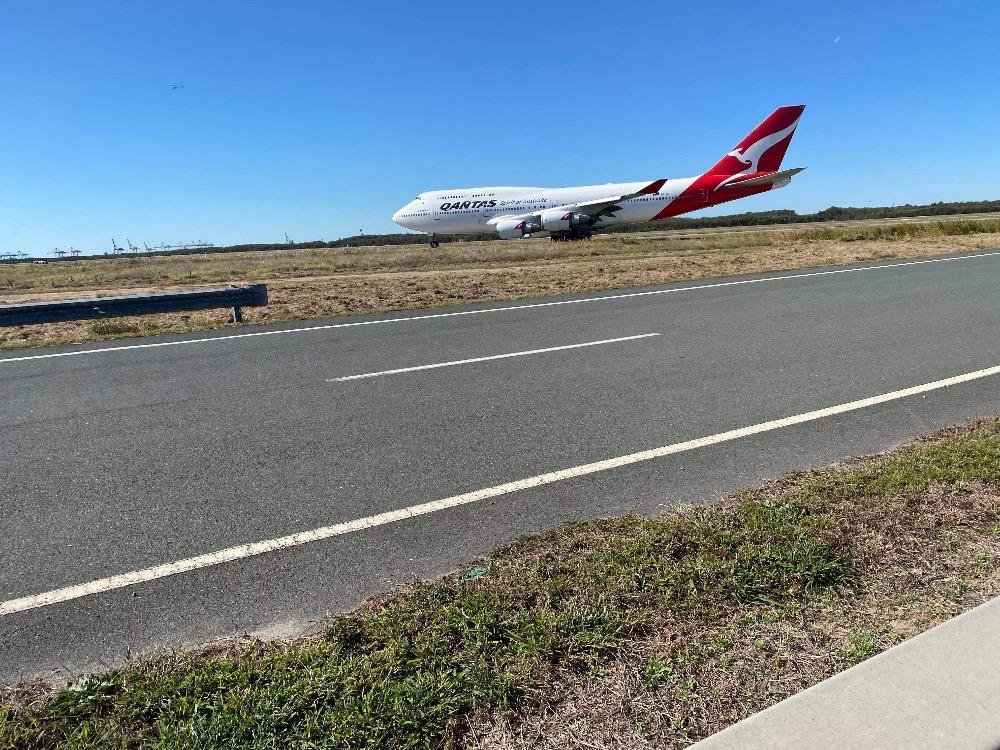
974 457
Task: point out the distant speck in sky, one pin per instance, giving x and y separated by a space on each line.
836 40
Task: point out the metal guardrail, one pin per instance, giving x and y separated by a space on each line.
235 297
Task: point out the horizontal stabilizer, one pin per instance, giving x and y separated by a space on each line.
777 178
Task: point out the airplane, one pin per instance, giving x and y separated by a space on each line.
753 166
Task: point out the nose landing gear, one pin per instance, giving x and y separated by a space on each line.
434 241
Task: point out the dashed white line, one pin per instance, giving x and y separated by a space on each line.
490 310
473 360
338 529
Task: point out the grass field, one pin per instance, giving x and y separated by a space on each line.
617 633
305 284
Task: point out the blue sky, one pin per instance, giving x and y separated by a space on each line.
320 119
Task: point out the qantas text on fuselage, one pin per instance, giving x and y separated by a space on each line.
753 166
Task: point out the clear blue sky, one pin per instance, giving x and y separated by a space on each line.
318 118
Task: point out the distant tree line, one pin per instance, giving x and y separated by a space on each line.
834 213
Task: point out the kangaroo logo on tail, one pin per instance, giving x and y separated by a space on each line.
749 153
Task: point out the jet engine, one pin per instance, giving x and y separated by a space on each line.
560 220
513 229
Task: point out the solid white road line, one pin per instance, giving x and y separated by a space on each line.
511 308
487 359
304 537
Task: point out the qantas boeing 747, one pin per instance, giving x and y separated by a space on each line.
572 213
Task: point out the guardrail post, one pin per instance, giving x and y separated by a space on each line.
237 315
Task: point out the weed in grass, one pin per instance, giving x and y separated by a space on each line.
721 644
657 670
686 690
862 645
686 656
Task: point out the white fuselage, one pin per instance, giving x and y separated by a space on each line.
470 210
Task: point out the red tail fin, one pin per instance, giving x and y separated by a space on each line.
764 148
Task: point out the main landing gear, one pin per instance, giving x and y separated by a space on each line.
434 241
574 234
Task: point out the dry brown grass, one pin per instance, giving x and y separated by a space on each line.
306 284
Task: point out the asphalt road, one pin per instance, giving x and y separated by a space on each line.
117 461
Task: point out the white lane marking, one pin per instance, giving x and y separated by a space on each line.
338 529
431 316
488 359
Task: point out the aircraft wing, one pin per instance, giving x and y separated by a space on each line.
768 179
602 206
